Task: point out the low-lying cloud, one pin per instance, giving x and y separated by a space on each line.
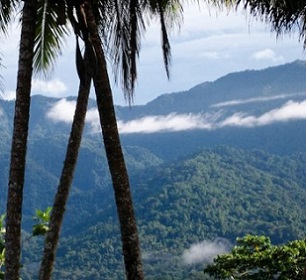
9 95
63 110
205 251
253 100
53 88
289 111
171 122
267 54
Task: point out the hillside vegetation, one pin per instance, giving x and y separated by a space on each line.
189 186
216 193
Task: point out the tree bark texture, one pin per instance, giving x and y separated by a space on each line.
116 162
19 142
59 206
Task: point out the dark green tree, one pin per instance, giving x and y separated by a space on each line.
254 257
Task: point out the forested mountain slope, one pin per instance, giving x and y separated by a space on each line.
220 160
216 193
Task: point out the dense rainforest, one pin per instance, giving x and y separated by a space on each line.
194 190
215 194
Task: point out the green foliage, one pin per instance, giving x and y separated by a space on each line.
220 192
40 228
2 247
43 219
50 37
254 257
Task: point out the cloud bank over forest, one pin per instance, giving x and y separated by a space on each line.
254 100
205 251
63 110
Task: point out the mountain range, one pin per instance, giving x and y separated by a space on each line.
220 160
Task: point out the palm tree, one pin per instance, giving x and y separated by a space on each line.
60 201
62 194
129 49
114 153
127 45
19 142
20 129
49 33
117 167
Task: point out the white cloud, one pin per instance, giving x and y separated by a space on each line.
289 111
9 95
209 44
171 122
53 87
63 111
92 117
267 54
253 100
174 122
205 251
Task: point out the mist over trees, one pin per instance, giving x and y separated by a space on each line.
114 30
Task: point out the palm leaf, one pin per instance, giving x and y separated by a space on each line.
7 8
50 36
285 16
125 43
124 31
1 77
170 13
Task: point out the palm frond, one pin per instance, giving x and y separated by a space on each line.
6 12
285 16
124 42
170 13
124 29
50 37
133 27
165 42
1 77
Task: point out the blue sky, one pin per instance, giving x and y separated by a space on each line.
208 45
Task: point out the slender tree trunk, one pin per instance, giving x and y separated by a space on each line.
117 167
64 186
304 273
19 142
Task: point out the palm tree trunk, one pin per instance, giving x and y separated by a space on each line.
117 167
64 186
19 142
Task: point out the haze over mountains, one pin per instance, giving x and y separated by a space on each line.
223 159
272 101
